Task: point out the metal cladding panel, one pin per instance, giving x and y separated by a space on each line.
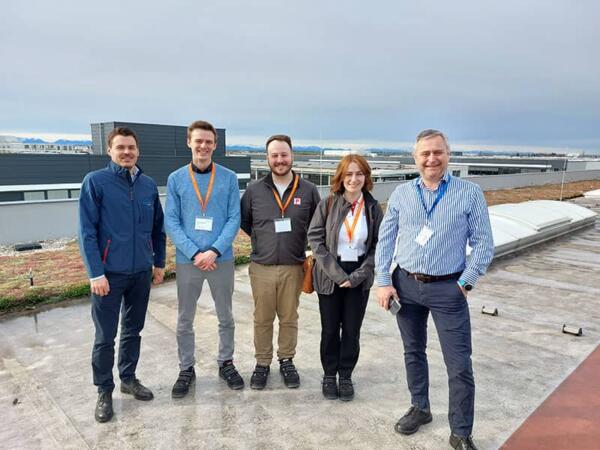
181 148
18 169
43 169
154 139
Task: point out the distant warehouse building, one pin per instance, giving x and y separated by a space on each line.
163 148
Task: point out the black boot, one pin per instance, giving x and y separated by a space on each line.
104 409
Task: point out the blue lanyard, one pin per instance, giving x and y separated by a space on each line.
442 188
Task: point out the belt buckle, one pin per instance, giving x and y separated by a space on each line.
423 278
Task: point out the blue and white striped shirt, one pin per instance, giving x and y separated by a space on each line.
460 217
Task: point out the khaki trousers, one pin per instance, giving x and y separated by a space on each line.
276 291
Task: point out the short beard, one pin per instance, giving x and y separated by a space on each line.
281 175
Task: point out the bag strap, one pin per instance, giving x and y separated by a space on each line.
329 204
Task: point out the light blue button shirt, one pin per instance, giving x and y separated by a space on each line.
459 218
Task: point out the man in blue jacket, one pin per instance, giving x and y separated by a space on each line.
122 243
202 218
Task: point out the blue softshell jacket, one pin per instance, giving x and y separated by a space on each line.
120 222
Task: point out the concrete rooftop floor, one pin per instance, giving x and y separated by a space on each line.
47 397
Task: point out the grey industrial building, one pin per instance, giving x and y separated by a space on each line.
163 148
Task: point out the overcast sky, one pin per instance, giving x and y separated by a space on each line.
486 72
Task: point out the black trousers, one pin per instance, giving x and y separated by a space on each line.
342 314
128 296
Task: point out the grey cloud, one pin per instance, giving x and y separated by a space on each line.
506 71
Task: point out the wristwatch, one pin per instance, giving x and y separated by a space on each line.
467 287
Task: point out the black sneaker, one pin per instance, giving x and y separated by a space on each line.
184 380
259 377
229 373
330 388
137 389
104 409
289 372
410 422
462 443
346 389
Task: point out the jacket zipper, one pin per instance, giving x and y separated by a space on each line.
105 254
133 222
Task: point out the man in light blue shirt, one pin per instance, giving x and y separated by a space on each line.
202 218
425 232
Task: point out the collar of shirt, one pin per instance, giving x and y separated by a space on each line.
355 203
133 172
198 170
419 180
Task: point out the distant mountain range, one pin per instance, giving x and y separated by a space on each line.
58 142
9 139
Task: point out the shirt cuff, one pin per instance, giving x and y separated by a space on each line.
384 279
97 278
216 251
470 277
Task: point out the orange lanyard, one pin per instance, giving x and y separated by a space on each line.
203 202
283 207
349 230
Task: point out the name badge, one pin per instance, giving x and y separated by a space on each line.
204 223
424 235
348 254
283 225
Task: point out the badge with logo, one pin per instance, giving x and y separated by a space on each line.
297 201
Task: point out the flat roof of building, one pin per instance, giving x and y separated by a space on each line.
519 357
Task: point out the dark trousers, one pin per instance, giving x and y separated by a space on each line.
129 295
342 313
450 313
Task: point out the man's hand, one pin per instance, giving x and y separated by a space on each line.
206 260
384 293
158 275
346 284
464 291
100 286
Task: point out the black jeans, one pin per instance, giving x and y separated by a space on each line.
450 312
342 313
129 295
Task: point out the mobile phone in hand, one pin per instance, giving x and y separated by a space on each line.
394 306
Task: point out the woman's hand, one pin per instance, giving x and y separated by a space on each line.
346 284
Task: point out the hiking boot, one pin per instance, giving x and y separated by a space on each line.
346 389
230 374
462 443
330 388
289 372
184 381
259 377
137 389
410 422
104 409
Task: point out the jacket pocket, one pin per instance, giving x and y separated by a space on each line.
146 218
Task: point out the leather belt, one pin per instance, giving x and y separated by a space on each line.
424 278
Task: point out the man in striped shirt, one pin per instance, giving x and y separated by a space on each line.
425 232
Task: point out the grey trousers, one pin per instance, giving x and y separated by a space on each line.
189 287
